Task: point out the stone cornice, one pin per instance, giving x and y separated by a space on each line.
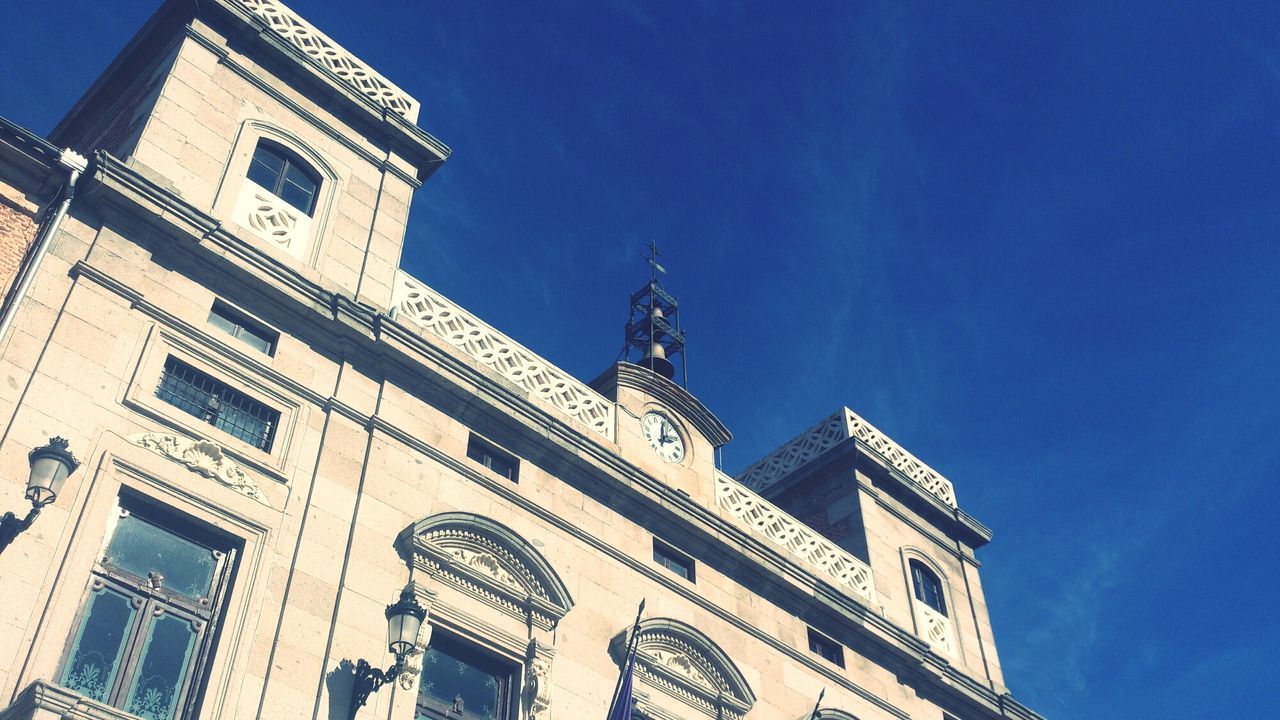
31 162
176 18
42 699
625 374
408 138
224 58
589 461
844 457
830 433
330 58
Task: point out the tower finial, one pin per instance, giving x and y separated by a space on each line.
653 328
654 267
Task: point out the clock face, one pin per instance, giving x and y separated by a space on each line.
663 437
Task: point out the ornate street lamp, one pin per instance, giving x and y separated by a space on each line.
404 618
50 466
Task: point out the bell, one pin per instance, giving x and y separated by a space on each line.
657 361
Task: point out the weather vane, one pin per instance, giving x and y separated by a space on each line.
653 261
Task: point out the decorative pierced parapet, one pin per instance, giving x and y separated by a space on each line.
282 225
431 311
801 541
333 57
831 432
796 452
935 628
923 475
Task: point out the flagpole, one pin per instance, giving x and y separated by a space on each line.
626 659
814 715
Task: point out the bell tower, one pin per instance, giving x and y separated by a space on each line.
653 335
661 426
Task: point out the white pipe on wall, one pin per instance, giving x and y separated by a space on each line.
75 164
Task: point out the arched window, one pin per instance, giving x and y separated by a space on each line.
494 603
927 587
284 175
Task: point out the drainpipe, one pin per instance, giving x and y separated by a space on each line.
75 164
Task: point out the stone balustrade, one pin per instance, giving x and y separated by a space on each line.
417 303
803 543
829 433
333 57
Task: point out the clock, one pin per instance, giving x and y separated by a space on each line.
663 437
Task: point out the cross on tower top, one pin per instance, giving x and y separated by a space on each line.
655 268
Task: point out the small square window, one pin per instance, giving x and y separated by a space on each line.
826 648
243 328
673 560
502 463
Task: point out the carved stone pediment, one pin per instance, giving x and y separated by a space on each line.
679 661
203 457
490 562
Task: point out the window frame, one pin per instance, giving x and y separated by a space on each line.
242 323
509 685
817 640
145 600
211 415
290 159
664 552
919 572
488 453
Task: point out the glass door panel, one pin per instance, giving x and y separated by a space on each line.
158 682
95 655
176 563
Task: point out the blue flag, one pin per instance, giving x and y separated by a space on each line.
621 709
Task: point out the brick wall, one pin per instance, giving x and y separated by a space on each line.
828 505
17 230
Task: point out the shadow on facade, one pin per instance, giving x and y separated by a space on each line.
338 682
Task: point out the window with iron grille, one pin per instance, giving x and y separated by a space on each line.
217 403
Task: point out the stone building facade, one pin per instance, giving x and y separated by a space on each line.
279 431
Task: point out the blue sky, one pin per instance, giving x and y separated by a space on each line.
1035 244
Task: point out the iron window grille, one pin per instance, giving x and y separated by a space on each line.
243 328
491 457
826 648
460 682
284 175
148 621
927 587
199 394
673 560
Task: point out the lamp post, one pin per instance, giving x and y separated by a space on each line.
404 618
50 466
